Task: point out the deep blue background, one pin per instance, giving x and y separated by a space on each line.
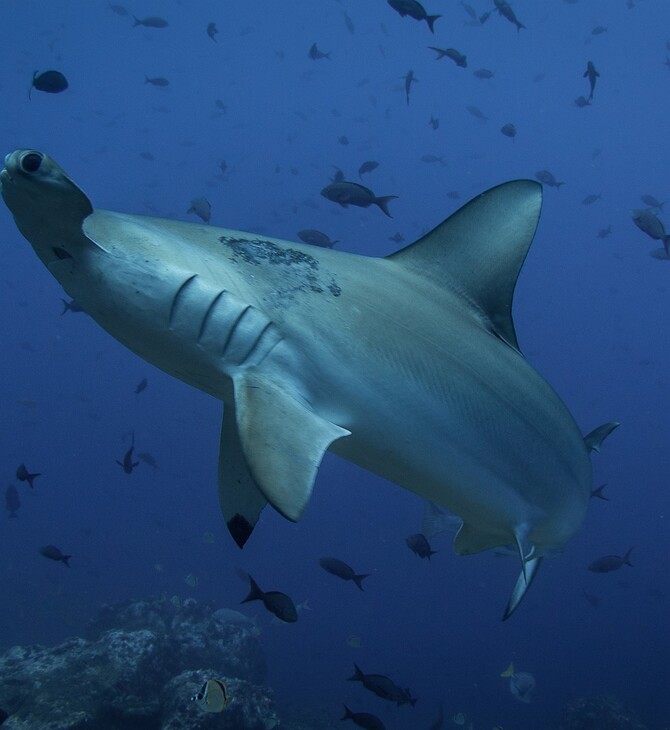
591 314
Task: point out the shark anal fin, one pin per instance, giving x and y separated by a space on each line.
523 583
239 496
283 440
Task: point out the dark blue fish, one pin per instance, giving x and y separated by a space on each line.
152 22
591 74
349 193
51 82
383 687
363 719
54 553
415 10
23 475
419 545
71 306
342 570
128 464
608 563
276 602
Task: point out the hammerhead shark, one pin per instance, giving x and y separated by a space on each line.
407 365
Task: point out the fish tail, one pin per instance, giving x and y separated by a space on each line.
66 560
66 306
348 714
383 203
666 243
137 21
626 558
358 675
430 19
412 700
358 579
255 593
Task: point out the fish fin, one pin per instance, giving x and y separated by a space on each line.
255 593
358 579
625 558
525 549
509 671
283 440
598 493
470 540
240 498
430 19
523 583
594 439
383 202
479 250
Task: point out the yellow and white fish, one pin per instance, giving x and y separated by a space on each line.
213 696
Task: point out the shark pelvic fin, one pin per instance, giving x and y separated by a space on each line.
523 583
283 441
239 496
480 249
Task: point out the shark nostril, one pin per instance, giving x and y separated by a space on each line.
31 161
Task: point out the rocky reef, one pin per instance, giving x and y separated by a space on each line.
599 713
137 669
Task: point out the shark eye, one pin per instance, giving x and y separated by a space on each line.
31 162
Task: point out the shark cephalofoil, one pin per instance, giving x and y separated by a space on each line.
406 365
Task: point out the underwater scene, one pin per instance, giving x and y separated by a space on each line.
333 378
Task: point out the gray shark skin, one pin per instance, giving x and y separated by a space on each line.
407 366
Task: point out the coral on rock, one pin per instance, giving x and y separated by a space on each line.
599 713
138 668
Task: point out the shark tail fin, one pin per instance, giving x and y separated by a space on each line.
523 583
626 558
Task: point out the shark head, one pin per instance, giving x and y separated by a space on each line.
407 366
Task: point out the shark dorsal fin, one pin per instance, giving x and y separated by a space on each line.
479 250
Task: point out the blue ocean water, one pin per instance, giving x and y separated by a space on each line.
590 315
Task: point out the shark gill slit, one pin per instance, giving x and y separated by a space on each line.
208 313
232 329
176 299
256 343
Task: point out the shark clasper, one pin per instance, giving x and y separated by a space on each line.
407 366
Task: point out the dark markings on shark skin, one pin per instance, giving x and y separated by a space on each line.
257 250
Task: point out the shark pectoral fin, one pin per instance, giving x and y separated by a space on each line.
239 496
469 540
523 583
283 441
